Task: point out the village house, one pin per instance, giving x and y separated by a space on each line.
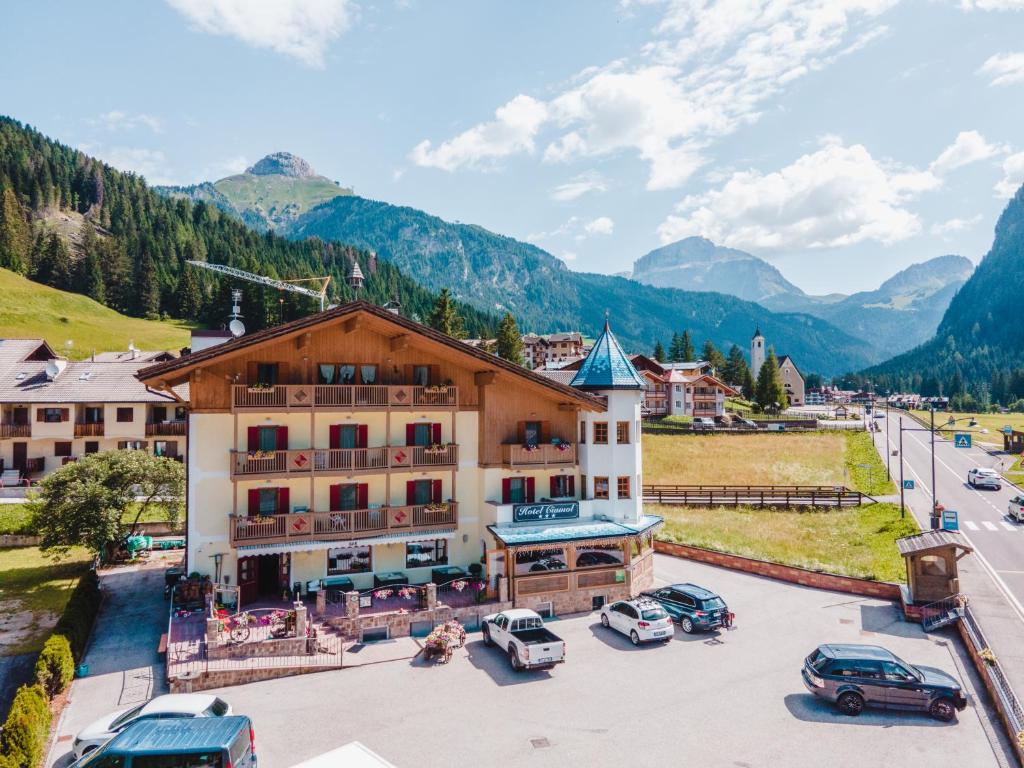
356 443
53 411
792 380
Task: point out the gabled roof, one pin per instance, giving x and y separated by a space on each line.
931 540
607 367
79 382
17 350
782 361
642 362
178 368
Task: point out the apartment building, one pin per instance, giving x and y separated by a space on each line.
53 411
359 443
696 394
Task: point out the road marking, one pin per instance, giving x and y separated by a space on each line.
971 526
989 526
1008 526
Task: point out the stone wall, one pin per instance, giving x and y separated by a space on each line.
286 646
399 624
880 589
17 540
574 600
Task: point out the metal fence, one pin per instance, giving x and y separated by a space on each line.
1008 701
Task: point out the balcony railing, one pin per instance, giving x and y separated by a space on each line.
341 460
89 429
320 526
15 430
166 428
545 454
34 466
343 396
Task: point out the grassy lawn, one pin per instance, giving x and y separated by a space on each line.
993 422
33 592
782 458
851 542
14 518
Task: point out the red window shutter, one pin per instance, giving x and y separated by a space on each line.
362 438
282 501
253 438
506 490
65 414
435 491
282 438
553 490
40 414
335 498
410 492
410 434
363 495
254 502
435 432
572 485
335 431
530 485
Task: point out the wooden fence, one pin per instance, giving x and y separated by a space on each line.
787 496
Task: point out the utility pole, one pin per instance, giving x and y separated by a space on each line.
935 503
888 452
903 503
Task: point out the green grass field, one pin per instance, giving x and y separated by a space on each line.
33 592
33 310
993 422
850 542
783 458
14 518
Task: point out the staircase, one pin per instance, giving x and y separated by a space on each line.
943 612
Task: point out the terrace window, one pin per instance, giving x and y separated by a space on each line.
419 492
62 448
349 496
93 415
531 432
268 501
125 415
426 553
159 414
168 448
52 415
349 560
563 486
421 375
348 435
517 490
266 374
597 555
267 439
423 434
540 561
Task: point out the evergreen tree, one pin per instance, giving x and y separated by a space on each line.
188 297
675 349
148 289
686 347
769 392
711 355
446 318
509 344
735 369
15 238
659 352
748 386
53 265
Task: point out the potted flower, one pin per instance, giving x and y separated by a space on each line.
258 386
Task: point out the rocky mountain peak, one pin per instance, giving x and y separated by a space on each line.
282 164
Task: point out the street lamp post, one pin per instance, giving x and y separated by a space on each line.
903 503
934 502
888 453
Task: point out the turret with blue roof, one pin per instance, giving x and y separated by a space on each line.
607 366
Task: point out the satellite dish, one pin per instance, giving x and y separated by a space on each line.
237 327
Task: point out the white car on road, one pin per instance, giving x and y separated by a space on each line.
171 705
643 620
980 477
1015 509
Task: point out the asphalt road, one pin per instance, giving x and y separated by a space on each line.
997 539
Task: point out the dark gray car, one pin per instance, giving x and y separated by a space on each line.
855 676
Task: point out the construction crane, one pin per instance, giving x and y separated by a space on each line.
281 285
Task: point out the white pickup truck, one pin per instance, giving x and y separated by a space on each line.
521 633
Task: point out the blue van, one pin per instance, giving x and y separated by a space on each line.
201 742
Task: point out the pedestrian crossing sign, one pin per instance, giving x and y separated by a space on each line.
908 485
962 440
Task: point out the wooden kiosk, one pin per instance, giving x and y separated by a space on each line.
932 559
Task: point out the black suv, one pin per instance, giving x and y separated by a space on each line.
852 676
693 607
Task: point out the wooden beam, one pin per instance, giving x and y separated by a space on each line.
483 378
568 407
303 341
399 342
352 324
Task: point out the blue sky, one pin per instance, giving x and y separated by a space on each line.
841 140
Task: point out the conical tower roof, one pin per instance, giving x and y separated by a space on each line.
607 366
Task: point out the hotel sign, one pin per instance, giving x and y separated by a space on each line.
535 513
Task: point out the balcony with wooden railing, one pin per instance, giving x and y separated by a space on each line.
339 526
541 455
341 461
343 397
15 430
169 428
34 466
89 429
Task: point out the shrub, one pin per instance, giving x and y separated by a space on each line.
55 666
80 613
27 728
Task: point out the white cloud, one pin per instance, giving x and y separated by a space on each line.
512 131
954 225
1004 68
117 120
302 29
992 5
568 256
581 185
968 147
151 163
1013 175
602 225
709 69
836 196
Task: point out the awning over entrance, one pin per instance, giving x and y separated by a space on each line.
312 546
582 530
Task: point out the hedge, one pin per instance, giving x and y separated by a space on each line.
55 666
27 728
80 613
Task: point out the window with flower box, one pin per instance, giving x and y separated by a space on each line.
426 553
349 560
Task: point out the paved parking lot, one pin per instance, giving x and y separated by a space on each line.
731 699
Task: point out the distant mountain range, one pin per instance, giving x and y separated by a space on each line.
497 273
900 314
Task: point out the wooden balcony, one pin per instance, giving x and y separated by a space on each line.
15 430
88 429
343 461
543 455
343 397
34 466
166 428
330 526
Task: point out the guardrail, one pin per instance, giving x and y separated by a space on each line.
1009 705
752 495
